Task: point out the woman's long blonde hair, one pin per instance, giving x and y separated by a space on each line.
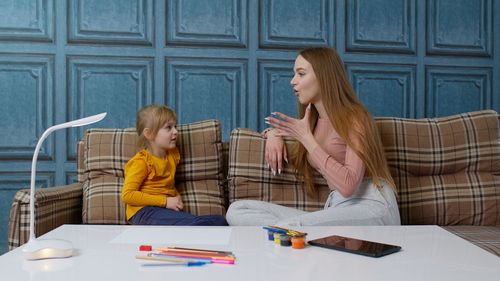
152 117
348 116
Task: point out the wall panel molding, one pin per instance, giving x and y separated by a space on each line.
381 26
103 84
309 25
275 91
26 84
21 180
27 20
460 27
219 23
71 177
386 90
453 90
208 89
111 22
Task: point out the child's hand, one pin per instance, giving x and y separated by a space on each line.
175 203
180 204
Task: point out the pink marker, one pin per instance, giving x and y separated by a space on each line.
222 261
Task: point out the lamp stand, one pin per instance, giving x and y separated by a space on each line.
37 249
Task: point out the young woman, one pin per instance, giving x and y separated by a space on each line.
148 190
335 136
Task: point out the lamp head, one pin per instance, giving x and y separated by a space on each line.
88 120
81 122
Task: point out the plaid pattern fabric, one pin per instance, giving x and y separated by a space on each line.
107 151
102 203
225 158
486 237
80 166
250 178
53 207
447 170
225 161
198 178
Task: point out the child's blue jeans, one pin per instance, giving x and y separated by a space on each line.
150 215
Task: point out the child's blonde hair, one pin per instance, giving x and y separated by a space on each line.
152 117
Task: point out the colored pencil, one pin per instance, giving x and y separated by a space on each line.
179 249
172 260
213 259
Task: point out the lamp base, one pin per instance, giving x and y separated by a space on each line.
47 249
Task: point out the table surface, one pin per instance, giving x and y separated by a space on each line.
107 252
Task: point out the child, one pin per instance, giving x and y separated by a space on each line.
149 190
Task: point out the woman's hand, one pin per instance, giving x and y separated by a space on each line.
275 152
175 203
298 129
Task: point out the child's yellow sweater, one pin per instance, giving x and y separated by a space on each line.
149 180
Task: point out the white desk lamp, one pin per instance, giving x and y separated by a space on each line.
37 249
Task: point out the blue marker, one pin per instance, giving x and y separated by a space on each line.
190 263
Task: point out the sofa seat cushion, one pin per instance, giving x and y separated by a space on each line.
199 177
486 237
250 178
447 170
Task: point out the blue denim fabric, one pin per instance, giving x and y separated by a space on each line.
150 215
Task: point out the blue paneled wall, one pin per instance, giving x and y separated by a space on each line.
225 59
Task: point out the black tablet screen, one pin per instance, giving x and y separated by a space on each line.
357 246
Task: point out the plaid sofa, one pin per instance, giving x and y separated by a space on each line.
95 199
447 171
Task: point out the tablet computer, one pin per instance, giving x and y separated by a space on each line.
355 246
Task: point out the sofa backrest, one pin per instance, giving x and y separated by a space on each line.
250 178
199 178
447 170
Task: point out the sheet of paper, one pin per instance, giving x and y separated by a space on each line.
169 236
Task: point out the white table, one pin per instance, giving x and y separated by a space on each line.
108 253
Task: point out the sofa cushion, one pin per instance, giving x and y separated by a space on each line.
250 178
447 170
199 176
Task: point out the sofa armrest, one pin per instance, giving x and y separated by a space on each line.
486 237
54 206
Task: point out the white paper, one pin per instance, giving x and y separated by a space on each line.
169 236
